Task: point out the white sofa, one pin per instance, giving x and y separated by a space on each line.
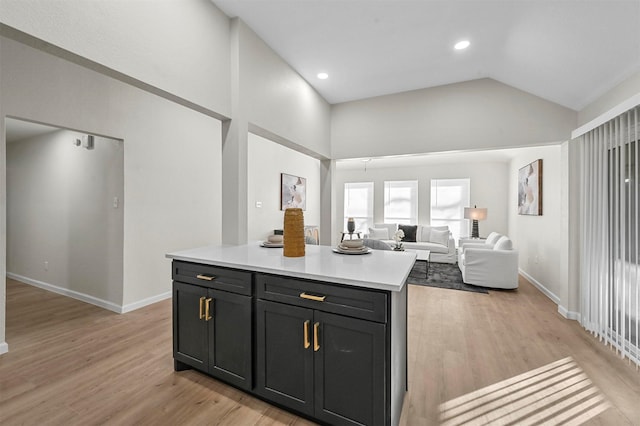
489 265
439 242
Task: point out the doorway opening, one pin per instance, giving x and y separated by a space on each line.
65 211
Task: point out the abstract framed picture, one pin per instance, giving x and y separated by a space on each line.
293 192
530 189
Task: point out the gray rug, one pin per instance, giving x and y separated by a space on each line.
441 275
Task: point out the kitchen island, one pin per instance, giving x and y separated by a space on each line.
324 335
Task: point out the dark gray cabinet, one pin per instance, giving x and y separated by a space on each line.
329 366
320 349
212 328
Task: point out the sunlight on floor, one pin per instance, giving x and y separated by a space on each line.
558 393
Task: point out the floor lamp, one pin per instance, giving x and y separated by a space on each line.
475 214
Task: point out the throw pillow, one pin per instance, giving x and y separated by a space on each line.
425 233
493 238
409 232
504 243
379 233
439 237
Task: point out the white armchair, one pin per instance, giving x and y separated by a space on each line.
495 267
488 243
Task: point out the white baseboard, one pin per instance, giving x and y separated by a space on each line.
66 292
4 348
572 315
90 299
144 302
561 309
540 287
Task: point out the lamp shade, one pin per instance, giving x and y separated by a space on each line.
475 213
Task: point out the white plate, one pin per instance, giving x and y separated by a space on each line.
340 251
271 245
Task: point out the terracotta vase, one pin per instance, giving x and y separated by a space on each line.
293 233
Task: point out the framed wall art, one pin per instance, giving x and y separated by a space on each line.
530 189
293 192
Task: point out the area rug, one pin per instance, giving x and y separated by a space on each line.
441 275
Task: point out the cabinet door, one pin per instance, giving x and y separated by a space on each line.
230 338
349 370
189 329
284 364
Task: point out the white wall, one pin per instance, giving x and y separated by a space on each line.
180 46
60 211
267 160
615 96
539 239
278 99
489 186
172 158
471 115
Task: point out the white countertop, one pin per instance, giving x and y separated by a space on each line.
380 269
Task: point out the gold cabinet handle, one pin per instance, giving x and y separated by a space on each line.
312 297
316 345
205 277
207 306
201 306
307 343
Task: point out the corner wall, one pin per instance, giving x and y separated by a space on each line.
539 239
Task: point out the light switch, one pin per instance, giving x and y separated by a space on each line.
116 202
258 204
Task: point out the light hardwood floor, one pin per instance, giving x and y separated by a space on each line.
485 356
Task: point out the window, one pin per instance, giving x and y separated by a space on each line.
358 204
449 197
401 202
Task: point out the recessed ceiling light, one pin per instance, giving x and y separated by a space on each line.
323 75
462 45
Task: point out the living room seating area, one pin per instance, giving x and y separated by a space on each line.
437 239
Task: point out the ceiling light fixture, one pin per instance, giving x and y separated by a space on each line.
323 75
462 45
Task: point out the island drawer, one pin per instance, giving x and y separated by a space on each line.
209 276
350 301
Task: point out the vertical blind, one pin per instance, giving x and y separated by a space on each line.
609 266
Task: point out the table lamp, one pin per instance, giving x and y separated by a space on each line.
475 214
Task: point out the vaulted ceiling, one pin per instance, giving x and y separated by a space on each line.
566 51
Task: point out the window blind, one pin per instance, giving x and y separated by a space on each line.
609 261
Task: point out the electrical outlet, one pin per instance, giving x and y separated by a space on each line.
46 265
258 204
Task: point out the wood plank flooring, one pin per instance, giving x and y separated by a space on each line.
71 363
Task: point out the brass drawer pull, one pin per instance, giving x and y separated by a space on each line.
316 345
205 277
312 297
201 300
207 317
307 343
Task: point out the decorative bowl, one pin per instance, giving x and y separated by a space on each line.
352 243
